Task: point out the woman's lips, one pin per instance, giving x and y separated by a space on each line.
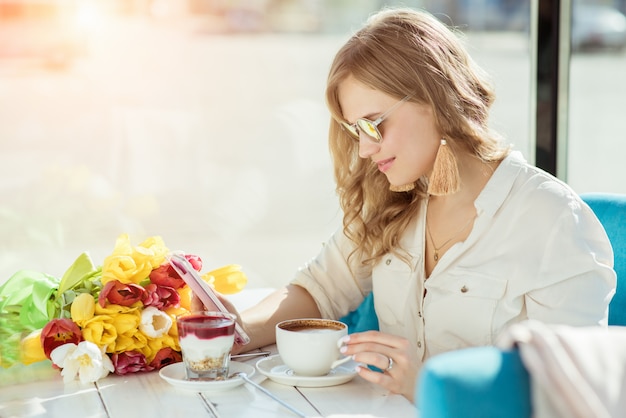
385 165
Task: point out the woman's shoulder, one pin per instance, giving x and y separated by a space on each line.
539 185
518 185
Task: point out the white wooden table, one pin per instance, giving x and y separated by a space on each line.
38 391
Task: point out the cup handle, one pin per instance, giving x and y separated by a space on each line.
340 361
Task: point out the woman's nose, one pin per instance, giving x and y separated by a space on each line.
367 147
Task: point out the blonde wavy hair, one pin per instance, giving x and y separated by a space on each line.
400 52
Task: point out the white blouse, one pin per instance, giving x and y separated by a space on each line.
536 251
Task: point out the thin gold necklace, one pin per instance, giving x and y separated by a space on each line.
436 255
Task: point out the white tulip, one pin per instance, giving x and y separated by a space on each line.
85 360
154 323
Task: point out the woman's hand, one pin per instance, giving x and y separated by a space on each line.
197 305
391 354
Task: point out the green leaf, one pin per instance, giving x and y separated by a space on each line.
82 268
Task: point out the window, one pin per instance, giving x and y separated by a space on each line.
204 122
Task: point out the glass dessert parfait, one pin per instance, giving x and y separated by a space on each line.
206 340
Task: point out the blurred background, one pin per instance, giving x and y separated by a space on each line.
203 121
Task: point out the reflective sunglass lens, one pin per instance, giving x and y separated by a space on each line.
351 129
369 129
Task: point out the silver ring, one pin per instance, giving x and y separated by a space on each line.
390 365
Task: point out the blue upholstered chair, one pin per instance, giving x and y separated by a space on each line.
487 382
611 210
363 318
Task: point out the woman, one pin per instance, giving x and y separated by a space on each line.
456 235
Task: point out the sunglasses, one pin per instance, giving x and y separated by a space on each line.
370 127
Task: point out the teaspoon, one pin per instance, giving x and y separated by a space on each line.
258 353
245 377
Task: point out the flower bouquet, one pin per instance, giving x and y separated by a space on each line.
118 317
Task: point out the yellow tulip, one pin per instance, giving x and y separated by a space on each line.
174 312
123 343
185 294
31 350
83 308
126 322
152 251
111 309
228 279
156 344
130 264
141 344
109 326
100 331
131 341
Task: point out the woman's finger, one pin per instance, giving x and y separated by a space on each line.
375 337
196 304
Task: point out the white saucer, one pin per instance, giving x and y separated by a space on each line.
174 374
274 368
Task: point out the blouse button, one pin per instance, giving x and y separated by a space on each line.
419 344
464 289
388 261
419 314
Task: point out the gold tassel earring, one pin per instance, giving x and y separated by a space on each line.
404 188
445 176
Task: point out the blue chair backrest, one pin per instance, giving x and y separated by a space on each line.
610 208
362 318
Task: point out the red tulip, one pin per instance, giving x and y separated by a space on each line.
195 261
130 362
118 293
160 297
165 275
164 357
58 332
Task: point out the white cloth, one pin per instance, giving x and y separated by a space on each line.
576 372
536 251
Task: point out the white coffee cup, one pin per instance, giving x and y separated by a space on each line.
310 346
